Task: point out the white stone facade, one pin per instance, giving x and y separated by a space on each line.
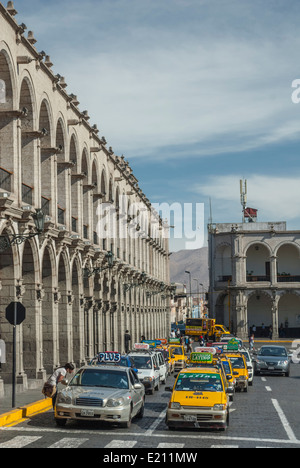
255 278
51 157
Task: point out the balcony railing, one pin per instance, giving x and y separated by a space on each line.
258 279
288 279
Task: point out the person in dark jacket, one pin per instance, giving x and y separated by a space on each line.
127 341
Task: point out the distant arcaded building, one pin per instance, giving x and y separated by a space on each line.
101 265
255 278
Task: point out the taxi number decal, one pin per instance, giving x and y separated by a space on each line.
109 357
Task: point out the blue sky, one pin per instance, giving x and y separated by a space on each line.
195 93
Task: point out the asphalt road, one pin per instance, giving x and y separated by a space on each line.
266 416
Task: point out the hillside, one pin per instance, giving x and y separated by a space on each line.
195 261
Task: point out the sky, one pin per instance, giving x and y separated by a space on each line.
197 94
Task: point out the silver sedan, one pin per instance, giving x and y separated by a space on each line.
101 393
272 360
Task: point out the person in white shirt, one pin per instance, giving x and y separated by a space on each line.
58 376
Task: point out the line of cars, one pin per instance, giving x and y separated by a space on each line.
204 388
112 387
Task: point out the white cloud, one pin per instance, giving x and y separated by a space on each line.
155 75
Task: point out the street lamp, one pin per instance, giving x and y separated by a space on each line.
8 240
111 263
191 308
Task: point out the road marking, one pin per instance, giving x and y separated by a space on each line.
263 379
160 435
284 421
19 442
169 445
121 444
156 423
68 443
224 446
268 389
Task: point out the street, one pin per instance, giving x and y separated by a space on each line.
266 416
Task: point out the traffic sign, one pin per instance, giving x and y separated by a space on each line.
15 313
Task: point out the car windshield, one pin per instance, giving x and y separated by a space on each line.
142 362
100 378
237 362
202 382
177 351
278 352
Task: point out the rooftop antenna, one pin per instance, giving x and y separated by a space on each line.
243 190
249 214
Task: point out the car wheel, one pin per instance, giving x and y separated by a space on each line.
140 414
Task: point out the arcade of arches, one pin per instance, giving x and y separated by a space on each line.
87 278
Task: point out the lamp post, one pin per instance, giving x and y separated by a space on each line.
8 240
190 307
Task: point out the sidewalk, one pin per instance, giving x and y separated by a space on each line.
28 403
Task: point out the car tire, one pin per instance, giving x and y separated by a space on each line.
140 414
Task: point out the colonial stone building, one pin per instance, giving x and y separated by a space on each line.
255 277
101 264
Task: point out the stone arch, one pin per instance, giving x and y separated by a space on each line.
29 156
32 326
77 312
259 311
85 167
76 211
48 197
258 262
62 174
8 96
49 319
288 262
289 314
65 308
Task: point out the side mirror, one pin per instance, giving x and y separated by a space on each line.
137 386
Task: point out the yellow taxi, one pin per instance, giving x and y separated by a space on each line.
199 399
239 366
178 351
171 360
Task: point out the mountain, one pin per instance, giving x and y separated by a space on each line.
195 261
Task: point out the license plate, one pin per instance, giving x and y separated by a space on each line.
189 418
87 413
271 368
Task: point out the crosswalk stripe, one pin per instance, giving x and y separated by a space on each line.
121 444
19 442
68 443
167 445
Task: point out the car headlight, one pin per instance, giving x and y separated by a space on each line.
65 399
284 363
175 405
115 402
219 407
148 379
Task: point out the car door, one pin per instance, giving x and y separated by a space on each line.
163 368
136 395
156 370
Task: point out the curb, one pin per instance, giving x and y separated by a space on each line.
17 415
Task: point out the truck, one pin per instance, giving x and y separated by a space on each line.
207 328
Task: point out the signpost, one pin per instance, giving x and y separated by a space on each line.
15 314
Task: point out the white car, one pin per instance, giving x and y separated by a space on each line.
146 362
101 393
250 363
163 368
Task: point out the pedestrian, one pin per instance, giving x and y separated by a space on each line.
127 340
251 342
254 330
271 332
51 386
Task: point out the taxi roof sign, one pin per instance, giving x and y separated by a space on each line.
204 358
212 351
142 346
109 357
233 345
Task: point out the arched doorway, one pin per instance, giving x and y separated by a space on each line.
289 315
259 310
49 323
258 263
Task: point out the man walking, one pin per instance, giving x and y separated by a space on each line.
127 340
